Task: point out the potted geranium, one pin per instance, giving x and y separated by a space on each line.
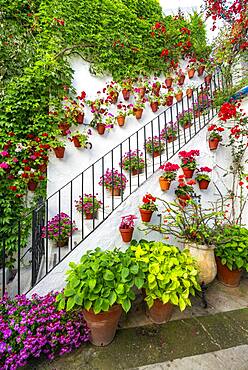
59 228
169 174
170 132
170 277
101 285
191 67
168 80
184 119
188 162
178 93
214 136
126 227
231 254
133 161
122 112
89 205
148 207
200 67
80 140
142 86
75 108
138 106
127 88
168 98
180 77
31 177
58 147
189 91
154 146
184 190
154 101
114 182
203 178
112 90
99 108
155 86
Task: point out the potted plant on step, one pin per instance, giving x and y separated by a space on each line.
59 228
154 146
102 286
178 93
154 101
214 136
184 190
80 140
126 227
138 107
114 181
127 88
58 147
170 132
184 119
122 112
89 205
169 174
147 208
203 177
170 278
231 254
188 162
133 162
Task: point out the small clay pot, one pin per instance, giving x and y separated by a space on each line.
156 154
32 185
116 192
203 184
188 173
208 79
89 216
101 128
181 80
137 171
138 113
230 278
191 73
213 143
154 106
169 101
168 82
142 91
146 215
171 138
121 120
164 183
200 70
126 94
80 118
62 243
64 127
159 313
59 152
179 97
126 234
76 142
189 93
103 325
187 125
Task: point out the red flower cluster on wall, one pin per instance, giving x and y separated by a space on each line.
227 111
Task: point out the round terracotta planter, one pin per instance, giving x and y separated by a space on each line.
168 82
200 70
179 97
137 171
62 243
126 234
126 94
115 192
160 313
156 154
142 92
208 79
164 183
181 80
227 277
191 73
59 152
169 101
80 118
203 184
145 214
103 325
189 93
114 98
89 216
101 128
156 90
76 142
213 143
188 173
171 138
187 125
138 113
121 120
32 185
154 106
183 200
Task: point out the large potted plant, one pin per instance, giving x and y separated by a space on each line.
231 254
188 162
154 146
214 136
133 162
89 205
184 119
114 181
203 178
169 174
170 278
126 227
101 285
59 228
148 207
170 132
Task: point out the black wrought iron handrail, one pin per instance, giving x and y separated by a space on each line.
44 257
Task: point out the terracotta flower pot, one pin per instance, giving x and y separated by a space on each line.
183 200
64 127
80 118
200 70
142 92
171 138
191 73
208 79
32 185
187 125
138 113
146 215
156 154
89 216
76 142
168 82
156 90
169 100
103 325
154 106
188 173
179 97
101 128
126 234
115 192
121 120
59 152
164 183
114 98
160 313
213 143
203 184
189 93
227 277
62 243
181 80
137 171
126 94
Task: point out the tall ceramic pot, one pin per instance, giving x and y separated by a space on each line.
205 259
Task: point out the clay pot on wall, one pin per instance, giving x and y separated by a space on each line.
126 94
126 234
200 70
189 93
154 106
188 173
168 82
101 128
62 243
76 142
138 113
179 97
121 120
80 118
169 100
59 152
191 73
213 143
164 183
145 214
203 184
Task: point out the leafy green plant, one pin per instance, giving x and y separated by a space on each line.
170 275
232 247
101 280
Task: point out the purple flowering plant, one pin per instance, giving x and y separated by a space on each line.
170 131
133 160
154 145
87 204
113 179
185 117
31 327
127 222
60 227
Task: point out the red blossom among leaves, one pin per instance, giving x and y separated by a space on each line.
227 111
